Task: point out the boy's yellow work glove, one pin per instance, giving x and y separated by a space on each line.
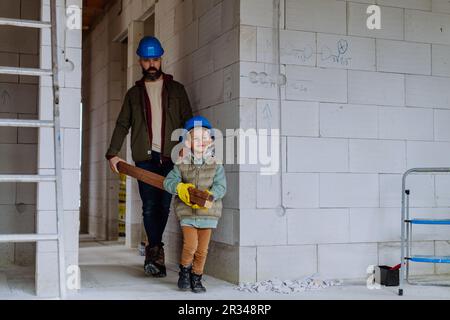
183 192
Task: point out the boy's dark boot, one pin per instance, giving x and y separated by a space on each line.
154 261
184 279
196 283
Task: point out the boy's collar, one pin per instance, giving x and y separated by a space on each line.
207 158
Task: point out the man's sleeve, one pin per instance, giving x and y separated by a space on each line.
121 130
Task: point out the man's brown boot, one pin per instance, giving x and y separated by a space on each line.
154 261
160 262
151 253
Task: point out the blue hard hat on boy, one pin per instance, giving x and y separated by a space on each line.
150 47
197 121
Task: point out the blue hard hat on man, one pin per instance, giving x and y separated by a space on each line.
150 48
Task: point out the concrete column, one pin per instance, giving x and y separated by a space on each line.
70 99
133 202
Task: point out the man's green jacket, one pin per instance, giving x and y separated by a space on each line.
136 114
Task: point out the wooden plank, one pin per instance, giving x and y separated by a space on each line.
201 198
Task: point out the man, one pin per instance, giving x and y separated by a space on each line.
153 108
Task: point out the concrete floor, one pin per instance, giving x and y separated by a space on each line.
111 271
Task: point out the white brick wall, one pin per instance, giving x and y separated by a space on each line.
403 57
316 84
318 226
345 52
349 190
377 156
427 27
346 260
440 6
306 115
427 154
299 261
268 191
210 25
247 43
411 4
256 12
441 60
346 121
352 122
374 225
430 92
301 190
255 90
442 196
360 107
406 123
319 16
262 227
314 154
298 47
421 187
376 88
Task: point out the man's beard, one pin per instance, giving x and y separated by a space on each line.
152 76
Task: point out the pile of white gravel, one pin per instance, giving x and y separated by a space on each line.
288 286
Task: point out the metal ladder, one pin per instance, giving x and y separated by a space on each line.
406 232
55 124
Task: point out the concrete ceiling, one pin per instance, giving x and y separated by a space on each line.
93 9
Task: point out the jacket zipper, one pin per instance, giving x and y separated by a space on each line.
163 118
145 98
196 182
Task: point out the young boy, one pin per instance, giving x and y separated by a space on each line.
197 169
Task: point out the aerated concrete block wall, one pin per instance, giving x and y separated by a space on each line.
360 107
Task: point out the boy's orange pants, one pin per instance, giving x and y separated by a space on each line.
195 248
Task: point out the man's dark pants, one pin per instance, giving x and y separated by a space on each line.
155 202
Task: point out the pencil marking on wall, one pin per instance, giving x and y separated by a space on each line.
337 56
5 97
262 79
267 115
228 84
300 54
300 85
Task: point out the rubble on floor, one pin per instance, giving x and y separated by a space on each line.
288 286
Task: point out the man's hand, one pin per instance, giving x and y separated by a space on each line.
113 163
